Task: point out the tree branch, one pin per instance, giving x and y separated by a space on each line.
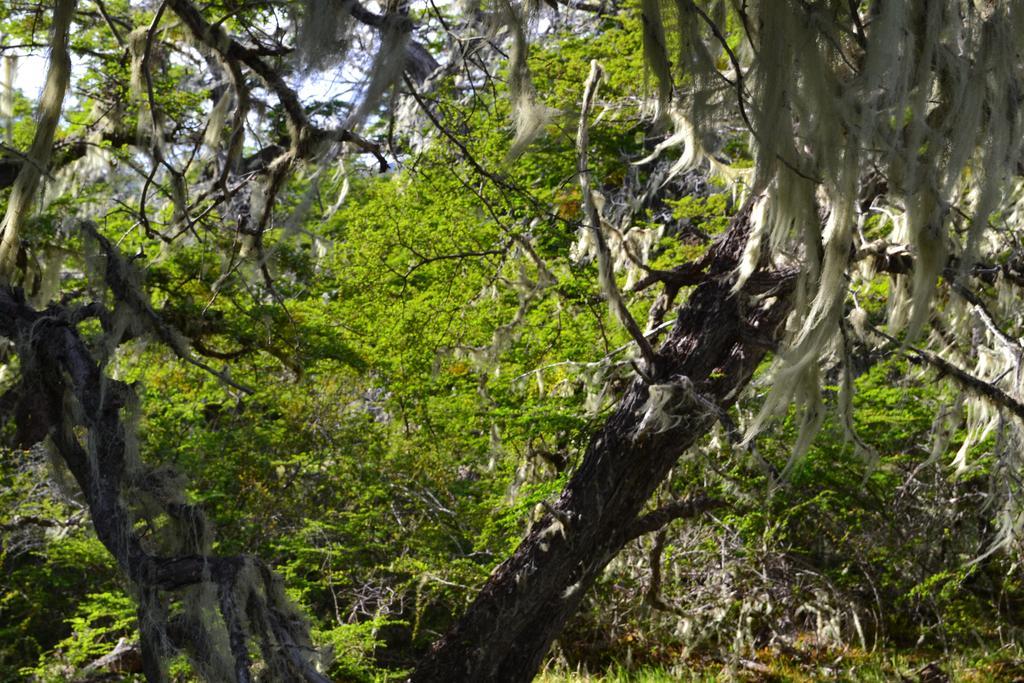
303 135
120 277
677 509
606 274
968 381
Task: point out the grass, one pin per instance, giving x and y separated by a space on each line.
1004 665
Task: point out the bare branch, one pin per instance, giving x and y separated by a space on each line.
606 274
303 135
119 278
678 509
974 384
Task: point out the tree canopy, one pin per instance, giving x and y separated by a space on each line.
342 341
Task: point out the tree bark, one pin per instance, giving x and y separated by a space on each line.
717 343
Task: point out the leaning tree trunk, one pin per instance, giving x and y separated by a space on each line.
718 341
190 600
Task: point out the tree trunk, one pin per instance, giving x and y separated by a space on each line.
711 353
81 408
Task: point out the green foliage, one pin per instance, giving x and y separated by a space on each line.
709 214
847 664
422 391
99 621
352 647
49 560
844 555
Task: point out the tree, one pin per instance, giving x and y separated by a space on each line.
869 118
886 158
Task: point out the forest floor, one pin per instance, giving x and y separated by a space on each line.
854 665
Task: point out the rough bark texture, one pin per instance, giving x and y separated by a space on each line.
716 344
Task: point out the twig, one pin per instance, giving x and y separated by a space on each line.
606 274
968 381
677 509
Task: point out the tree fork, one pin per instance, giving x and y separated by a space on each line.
713 350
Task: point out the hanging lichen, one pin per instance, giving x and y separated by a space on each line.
912 92
320 39
528 114
10 68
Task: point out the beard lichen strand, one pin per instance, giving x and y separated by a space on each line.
10 69
896 77
655 50
242 101
137 50
215 122
686 133
923 100
528 115
753 249
669 405
51 102
389 63
997 164
813 329
926 232
199 614
320 36
1006 480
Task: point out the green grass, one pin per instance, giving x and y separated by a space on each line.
853 665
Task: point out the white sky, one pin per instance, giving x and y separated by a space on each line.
30 76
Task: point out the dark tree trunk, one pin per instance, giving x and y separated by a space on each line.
81 409
716 344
